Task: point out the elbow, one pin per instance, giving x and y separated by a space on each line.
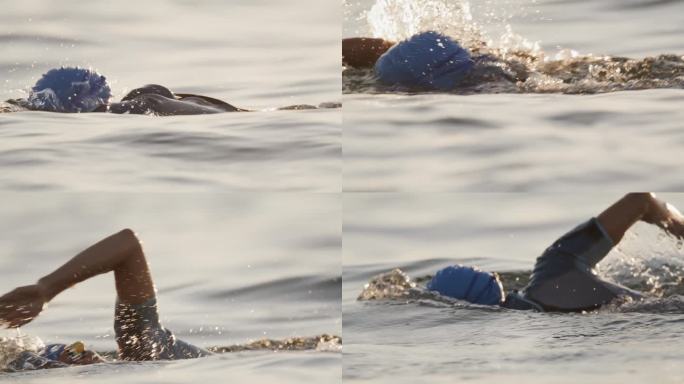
641 197
127 232
129 238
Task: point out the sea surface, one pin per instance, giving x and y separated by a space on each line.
253 54
595 101
230 269
418 338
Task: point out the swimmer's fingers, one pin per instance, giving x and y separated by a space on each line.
20 306
16 319
12 316
675 228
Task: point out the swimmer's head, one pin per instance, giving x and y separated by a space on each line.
75 353
469 284
70 90
428 60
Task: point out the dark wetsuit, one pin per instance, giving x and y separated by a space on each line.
139 335
158 100
563 277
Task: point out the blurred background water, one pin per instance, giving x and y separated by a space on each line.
255 55
420 340
506 141
229 269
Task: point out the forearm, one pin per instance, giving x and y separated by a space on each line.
641 206
363 52
104 256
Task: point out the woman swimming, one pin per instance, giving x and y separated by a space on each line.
431 61
563 278
80 90
139 333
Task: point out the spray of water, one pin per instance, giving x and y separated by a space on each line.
647 260
394 284
396 20
14 343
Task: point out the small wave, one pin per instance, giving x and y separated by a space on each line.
640 5
320 343
41 39
306 288
673 304
9 107
12 347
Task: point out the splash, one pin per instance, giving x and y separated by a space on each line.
11 346
397 285
397 20
394 284
11 106
320 343
647 260
672 304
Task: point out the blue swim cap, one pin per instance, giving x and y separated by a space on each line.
70 90
467 283
426 60
52 351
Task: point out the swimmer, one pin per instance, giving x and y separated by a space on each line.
563 278
80 90
139 334
431 61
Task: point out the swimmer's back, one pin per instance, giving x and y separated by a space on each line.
141 336
159 100
563 278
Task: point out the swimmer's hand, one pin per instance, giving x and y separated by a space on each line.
21 305
363 52
665 216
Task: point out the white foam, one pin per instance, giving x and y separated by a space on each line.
14 342
647 259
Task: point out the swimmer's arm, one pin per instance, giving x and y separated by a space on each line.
640 206
121 253
363 52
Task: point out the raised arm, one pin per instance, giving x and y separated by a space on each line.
121 253
363 52
640 206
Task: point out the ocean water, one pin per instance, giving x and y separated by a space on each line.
413 337
573 117
254 55
229 268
